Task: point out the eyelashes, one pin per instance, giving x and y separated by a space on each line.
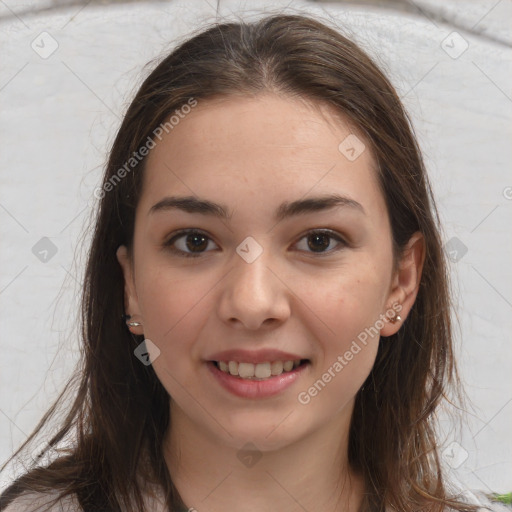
201 241
196 235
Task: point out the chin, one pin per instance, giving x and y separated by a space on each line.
267 434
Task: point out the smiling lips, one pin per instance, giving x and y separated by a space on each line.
257 371
256 387
260 364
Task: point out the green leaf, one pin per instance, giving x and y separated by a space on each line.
504 498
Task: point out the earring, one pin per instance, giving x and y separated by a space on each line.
130 324
395 319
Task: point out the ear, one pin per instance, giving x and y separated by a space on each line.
131 303
406 282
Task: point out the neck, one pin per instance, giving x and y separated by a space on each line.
311 473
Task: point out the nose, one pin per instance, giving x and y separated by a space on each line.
254 294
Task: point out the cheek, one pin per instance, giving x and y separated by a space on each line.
349 300
349 305
174 315
347 354
175 308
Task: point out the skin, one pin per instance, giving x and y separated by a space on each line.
252 154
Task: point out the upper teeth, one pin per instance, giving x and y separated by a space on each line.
258 371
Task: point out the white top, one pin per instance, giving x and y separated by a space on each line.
38 502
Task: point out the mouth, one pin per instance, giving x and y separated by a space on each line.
259 371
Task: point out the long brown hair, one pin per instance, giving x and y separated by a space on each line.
120 411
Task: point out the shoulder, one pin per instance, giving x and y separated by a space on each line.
43 502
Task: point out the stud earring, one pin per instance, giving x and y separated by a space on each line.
395 319
130 324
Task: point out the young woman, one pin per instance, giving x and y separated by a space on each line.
266 309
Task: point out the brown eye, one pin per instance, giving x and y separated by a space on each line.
188 243
319 242
191 243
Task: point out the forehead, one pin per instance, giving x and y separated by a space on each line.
268 146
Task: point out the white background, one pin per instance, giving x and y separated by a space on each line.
60 113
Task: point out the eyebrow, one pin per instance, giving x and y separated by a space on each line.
191 204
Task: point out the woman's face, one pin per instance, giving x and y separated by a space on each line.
272 281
